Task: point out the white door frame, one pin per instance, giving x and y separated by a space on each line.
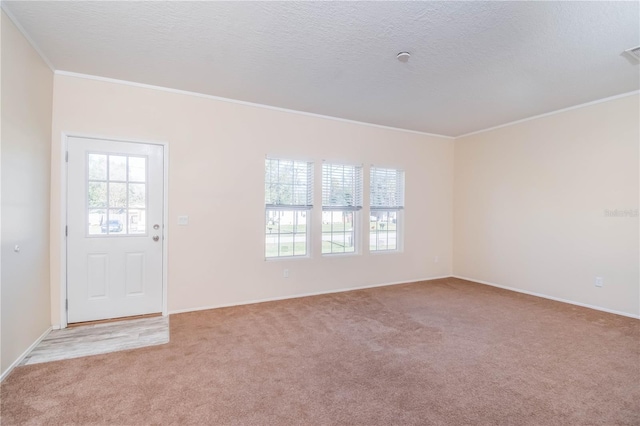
63 216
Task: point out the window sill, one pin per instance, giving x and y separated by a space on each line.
329 255
281 258
383 252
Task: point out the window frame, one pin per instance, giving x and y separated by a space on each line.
384 202
347 203
278 204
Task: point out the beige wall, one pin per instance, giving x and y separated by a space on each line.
216 176
27 89
530 200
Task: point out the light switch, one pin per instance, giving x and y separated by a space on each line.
183 220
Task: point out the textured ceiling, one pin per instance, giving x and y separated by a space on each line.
474 65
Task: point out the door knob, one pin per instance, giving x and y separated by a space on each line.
156 238
156 226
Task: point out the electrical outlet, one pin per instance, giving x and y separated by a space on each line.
599 282
285 273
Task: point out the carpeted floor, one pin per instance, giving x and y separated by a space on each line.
443 352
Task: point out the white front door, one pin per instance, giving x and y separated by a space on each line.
114 229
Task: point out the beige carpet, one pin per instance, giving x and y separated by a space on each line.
444 352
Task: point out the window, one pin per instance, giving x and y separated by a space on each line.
387 203
341 201
116 194
288 203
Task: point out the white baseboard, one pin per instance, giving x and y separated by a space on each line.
24 354
297 296
544 296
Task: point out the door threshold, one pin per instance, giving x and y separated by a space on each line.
108 320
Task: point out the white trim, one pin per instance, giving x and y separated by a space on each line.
63 207
165 230
5 8
297 296
17 362
63 234
544 296
547 114
245 103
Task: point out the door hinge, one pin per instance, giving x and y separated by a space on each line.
66 231
66 156
66 304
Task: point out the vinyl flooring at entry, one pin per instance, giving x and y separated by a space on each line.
101 338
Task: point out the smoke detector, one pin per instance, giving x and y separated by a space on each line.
403 56
633 53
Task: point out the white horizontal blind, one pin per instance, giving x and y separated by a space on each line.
387 189
341 187
288 183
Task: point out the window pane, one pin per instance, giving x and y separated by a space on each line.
383 233
373 241
137 169
300 246
115 224
287 182
97 167
285 172
300 183
272 222
117 195
137 195
286 246
300 233
97 194
271 245
338 231
286 233
341 185
117 168
96 217
137 221
386 188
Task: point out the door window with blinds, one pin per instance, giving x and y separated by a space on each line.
341 202
386 205
288 204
